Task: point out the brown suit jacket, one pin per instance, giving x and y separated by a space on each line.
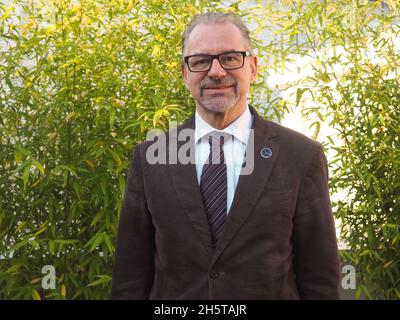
278 241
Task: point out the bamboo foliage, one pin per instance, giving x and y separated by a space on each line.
352 49
82 82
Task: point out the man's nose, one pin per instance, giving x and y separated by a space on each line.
216 71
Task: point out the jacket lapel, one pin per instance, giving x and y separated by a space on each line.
185 182
250 186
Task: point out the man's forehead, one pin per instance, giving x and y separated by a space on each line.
204 31
218 37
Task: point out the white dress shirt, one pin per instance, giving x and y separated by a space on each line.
234 149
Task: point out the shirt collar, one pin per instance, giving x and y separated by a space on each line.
240 128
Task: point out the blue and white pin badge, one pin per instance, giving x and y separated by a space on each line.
266 153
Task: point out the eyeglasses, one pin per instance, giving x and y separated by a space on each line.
230 60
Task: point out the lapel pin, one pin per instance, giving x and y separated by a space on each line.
266 153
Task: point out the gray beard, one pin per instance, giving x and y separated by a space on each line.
208 105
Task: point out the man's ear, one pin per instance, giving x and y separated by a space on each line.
184 71
254 67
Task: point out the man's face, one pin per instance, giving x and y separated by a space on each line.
218 90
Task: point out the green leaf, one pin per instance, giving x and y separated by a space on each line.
35 295
52 246
112 118
34 243
25 175
66 241
108 243
96 218
14 268
299 94
19 245
95 241
102 280
39 166
121 181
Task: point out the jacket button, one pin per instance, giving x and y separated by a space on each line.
214 274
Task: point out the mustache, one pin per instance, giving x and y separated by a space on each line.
207 83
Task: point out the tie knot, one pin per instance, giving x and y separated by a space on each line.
218 138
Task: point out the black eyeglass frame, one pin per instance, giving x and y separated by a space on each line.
217 56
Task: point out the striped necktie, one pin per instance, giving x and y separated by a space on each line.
213 184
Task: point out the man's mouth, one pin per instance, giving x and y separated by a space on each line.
218 88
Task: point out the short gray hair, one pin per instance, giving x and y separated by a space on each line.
216 18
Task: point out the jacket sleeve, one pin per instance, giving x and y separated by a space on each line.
134 259
316 260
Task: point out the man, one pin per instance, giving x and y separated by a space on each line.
206 230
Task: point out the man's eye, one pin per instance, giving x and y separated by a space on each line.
230 59
199 62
